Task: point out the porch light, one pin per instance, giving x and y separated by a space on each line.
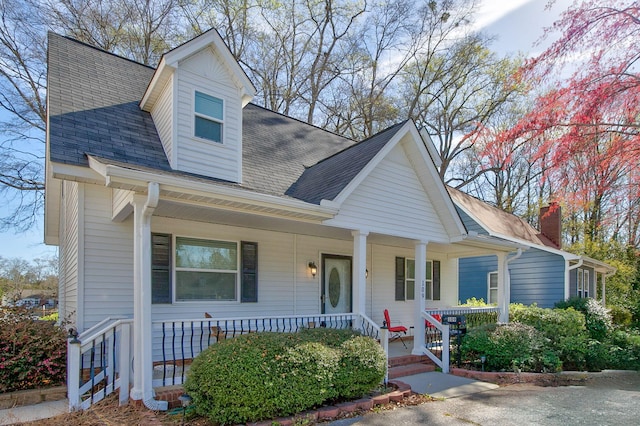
313 269
366 273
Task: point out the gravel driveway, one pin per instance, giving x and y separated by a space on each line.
607 398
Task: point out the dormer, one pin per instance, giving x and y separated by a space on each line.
196 97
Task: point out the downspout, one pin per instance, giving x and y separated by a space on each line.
149 207
507 284
567 282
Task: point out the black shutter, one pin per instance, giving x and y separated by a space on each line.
436 280
160 268
400 278
249 278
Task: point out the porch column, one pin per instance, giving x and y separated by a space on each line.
419 296
503 288
142 332
604 288
359 271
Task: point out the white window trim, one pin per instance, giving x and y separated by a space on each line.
207 117
489 302
585 283
579 283
175 270
426 281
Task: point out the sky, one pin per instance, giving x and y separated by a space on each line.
516 24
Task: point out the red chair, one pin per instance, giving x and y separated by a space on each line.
437 317
394 332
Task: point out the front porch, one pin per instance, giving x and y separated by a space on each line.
96 356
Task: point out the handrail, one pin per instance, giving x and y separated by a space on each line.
99 326
85 340
375 326
347 314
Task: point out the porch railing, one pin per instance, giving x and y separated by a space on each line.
98 363
438 335
177 342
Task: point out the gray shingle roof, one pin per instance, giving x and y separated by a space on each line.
326 179
94 109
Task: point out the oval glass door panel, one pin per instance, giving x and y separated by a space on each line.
334 287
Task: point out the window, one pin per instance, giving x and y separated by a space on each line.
586 283
406 281
580 283
492 294
208 117
203 270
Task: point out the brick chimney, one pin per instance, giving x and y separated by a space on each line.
551 223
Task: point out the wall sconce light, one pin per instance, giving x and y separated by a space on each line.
366 273
313 268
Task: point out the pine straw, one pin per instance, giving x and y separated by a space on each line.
108 413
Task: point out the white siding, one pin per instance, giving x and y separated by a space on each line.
162 114
68 252
391 200
382 291
204 72
108 256
120 199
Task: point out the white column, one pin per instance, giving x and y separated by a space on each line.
604 289
136 390
143 331
359 271
503 290
419 296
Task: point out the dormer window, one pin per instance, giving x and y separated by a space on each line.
208 117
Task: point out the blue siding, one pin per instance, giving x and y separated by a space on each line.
471 224
536 277
472 272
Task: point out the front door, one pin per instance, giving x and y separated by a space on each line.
336 284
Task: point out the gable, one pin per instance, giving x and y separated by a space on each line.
392 200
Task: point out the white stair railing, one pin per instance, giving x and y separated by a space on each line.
98 363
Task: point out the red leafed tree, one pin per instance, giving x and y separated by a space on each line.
590 121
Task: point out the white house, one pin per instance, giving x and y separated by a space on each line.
171 195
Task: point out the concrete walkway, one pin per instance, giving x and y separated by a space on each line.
440 385
29 413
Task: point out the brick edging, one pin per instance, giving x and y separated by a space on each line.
31 397
509 378
327 412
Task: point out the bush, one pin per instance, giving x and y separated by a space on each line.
620 315
565 329
597 317
624 350
268 375
32 352
509 347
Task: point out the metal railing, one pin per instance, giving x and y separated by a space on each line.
98 363
178 342
475 315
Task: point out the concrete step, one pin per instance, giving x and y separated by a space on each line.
410 370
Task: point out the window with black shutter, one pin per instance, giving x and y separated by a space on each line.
160 268
400 278
249 278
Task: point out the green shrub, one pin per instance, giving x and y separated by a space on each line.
267 375
509 347
625 350
565 329
362 367
597 318
32 352
620 315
